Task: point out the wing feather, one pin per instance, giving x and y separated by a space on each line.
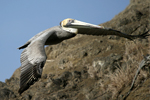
32 61
33 58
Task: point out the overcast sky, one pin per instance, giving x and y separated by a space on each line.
22 19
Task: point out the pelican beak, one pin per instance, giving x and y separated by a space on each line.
73 26
79 24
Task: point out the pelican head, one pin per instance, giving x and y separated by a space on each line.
72 25
68 29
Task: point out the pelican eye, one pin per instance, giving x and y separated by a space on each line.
70 21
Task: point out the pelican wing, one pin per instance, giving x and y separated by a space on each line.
32 61
108 31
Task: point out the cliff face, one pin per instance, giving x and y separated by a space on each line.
93 67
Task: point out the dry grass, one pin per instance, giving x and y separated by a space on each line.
124 76
95 72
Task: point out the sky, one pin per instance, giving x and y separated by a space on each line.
22 19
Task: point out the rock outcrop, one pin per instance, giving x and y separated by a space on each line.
93 67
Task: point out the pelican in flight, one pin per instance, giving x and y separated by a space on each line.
34 57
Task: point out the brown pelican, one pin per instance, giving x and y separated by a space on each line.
33 56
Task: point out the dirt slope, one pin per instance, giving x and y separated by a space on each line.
93 67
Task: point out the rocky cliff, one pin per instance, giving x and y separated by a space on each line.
93 67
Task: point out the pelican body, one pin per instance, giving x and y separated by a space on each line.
34 57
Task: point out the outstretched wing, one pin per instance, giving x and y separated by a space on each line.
107 31
32 62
